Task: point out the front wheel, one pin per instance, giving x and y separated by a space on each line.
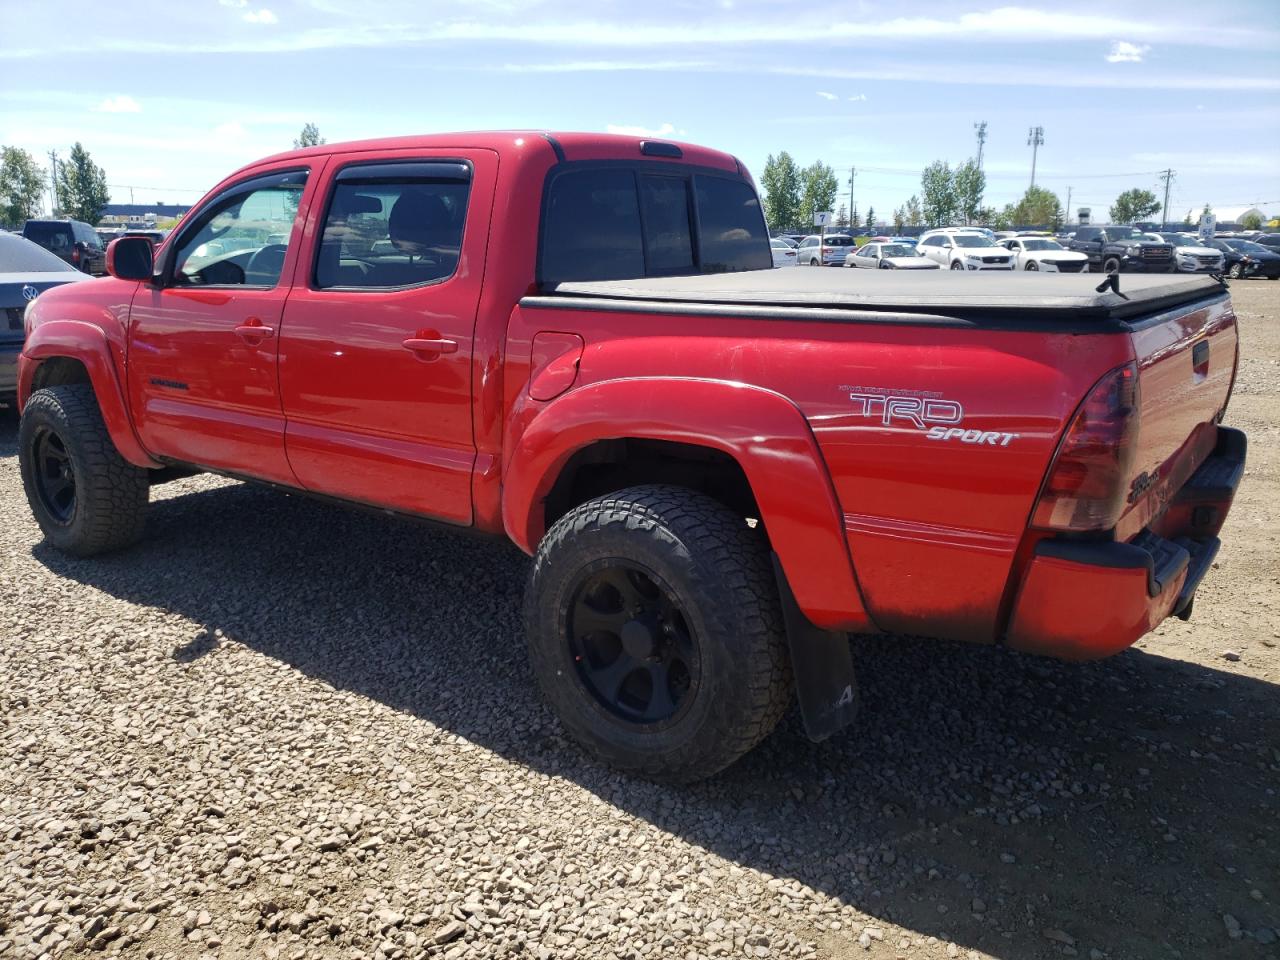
1032 265
957 265
86 498
1236 272
1111 265
656 634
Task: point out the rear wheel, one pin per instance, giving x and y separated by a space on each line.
655 632
86 498
813 261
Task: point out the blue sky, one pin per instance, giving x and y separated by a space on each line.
170 97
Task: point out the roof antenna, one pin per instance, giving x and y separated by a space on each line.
1112 283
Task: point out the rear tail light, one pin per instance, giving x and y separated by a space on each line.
75 255
1085 489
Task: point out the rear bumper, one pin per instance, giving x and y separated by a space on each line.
1086 599
9 371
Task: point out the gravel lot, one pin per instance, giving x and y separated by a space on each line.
282 729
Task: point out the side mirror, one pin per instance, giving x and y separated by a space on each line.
130 258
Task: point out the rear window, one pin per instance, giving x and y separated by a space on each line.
618 223
51 236
23 256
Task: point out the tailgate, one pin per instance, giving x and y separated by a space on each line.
1186 365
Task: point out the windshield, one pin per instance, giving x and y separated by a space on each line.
22 256
898 250
1248 246
1041 245
970 240
1183 240
1125 233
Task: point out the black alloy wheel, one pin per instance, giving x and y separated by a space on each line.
631 643
54 476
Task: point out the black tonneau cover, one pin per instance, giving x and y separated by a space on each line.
942 295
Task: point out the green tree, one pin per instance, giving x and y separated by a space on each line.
938 185
21 186
986 215
1186 221
819 188
842 216
1207 211
1004 219
310 137
912 210
1134 205
871 218
1038 208
899 219
970 184
781 182
1251 221
82 187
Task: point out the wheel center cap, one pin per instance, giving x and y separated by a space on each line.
637 639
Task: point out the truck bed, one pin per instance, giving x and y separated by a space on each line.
941 297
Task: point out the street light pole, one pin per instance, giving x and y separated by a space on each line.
1035 140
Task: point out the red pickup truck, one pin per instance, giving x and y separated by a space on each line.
577 342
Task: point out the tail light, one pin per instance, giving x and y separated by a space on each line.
1085 489
75 255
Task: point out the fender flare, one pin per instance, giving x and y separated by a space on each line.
762 430
88 344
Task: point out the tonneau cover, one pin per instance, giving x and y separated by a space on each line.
1064 297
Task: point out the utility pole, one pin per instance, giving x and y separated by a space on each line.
1164 210
1035 140
853 210
53 183
981 127
1068 204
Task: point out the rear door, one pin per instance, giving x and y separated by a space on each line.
202 377
376 353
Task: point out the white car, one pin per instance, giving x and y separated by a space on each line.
1189 254
1042 253
964 250
825 251
888 256
784 254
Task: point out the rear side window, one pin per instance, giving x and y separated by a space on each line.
617 223
393 225
51 236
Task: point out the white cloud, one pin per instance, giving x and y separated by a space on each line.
1122 51
119 104
233 130
827 96
261 16
234 4
665 130
858 98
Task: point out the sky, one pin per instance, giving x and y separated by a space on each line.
170 97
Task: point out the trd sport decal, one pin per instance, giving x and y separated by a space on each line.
941 419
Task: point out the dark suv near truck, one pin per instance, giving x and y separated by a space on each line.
1123 250
73 241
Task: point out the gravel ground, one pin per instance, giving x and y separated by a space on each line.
282 729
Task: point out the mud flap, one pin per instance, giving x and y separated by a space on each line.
822 665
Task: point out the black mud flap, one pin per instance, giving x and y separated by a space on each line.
822 665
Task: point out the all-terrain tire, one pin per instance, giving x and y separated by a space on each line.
107 510
719 574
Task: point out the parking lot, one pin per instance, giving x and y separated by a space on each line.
278 728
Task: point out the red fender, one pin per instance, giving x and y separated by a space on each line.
762 430
88 344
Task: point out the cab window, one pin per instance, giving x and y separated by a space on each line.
242 236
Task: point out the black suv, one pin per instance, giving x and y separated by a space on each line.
1123 250
73 241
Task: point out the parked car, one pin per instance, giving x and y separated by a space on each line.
1039 465
26 271
789 241
106 235
1041 253
155 236
1122 250
1244 259
73 241
964 250
1271 240
784 254
828 251
888 256
909 241
1190 253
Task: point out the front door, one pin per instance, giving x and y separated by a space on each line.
202 347
376 350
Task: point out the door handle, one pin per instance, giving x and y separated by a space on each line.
431 345
253 331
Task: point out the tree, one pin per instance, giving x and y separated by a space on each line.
871 218
21 186
820 188
82 187
1134 205
1251 221
1186 222
1206 212
970 183
842 216
987 215
310 137
1037 208
899 219
781 182
914 216
937 183
1004 219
